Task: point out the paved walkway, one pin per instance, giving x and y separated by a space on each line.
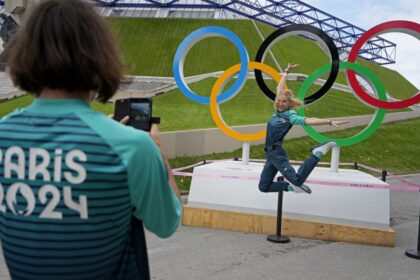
195 253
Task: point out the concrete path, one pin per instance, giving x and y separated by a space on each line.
195 253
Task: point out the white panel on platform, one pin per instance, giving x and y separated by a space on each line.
334 204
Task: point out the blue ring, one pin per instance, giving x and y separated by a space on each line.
189 42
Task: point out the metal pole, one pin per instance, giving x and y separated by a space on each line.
356 166
245 152
335 159
384 173
278 238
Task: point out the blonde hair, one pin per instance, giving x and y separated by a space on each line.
293 101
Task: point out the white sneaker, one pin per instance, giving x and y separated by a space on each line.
302 189
323 148
299 189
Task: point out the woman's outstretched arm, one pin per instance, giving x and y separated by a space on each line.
316 121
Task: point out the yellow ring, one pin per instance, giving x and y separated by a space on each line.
218 86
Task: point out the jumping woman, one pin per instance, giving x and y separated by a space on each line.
277 127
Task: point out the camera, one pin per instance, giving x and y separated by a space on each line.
138 109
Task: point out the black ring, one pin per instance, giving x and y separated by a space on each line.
335 61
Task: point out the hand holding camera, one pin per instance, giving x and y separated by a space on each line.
139 111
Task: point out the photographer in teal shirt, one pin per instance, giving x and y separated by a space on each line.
72 178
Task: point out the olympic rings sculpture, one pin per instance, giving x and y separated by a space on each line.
327 44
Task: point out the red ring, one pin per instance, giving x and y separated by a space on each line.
354 84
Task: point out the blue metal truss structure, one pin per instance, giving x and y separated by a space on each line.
278 13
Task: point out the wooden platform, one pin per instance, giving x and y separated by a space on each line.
243 222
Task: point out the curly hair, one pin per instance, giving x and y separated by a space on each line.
293 101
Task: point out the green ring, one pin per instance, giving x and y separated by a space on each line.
374 124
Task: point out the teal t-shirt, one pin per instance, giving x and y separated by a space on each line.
279 125
71 179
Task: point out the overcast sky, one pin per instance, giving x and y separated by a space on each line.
368 13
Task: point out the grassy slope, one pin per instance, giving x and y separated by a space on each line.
149 46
